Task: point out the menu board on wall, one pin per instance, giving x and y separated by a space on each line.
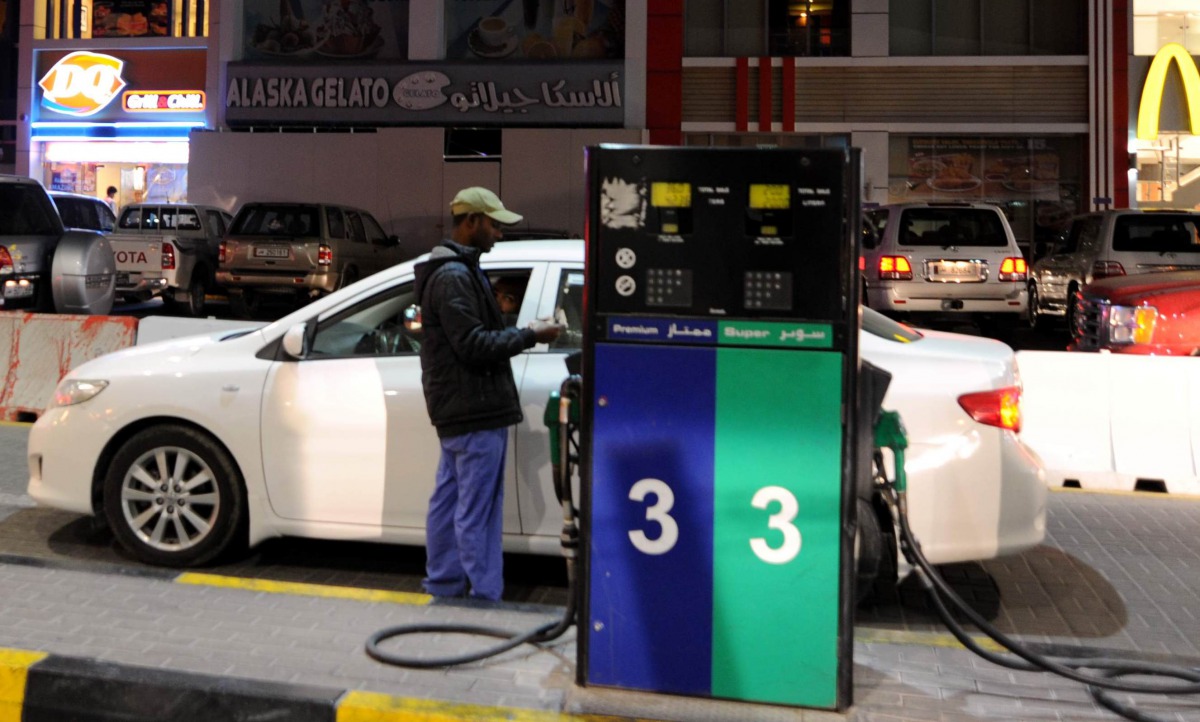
1038 172
129 18
325 31
551 30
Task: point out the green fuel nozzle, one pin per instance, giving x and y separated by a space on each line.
889 434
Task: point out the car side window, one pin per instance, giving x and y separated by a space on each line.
357 232
337 223
568 310
372 328
373 230
1086 234
216 224
131 218
509 288
107 218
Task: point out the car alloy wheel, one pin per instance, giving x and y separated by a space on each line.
173 496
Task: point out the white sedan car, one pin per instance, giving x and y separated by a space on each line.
191 446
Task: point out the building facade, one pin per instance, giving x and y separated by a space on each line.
393 105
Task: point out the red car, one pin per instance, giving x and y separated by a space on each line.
1146 313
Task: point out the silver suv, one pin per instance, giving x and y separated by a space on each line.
939 259
1111 243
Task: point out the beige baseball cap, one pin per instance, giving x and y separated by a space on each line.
480 200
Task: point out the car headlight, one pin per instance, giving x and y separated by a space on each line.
1131 324
76 391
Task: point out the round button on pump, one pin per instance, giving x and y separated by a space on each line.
626 285
626 257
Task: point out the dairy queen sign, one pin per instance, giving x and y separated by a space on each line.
574 94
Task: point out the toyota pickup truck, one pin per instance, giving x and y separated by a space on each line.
168 250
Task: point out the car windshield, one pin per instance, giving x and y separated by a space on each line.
1159 233
277 220
876 324
26 210
952 227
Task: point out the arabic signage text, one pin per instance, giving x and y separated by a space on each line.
701 332
591 93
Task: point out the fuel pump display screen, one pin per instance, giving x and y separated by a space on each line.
722 233
671 195
770 196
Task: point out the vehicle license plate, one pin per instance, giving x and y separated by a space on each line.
122 279
955 269
270 253
15 291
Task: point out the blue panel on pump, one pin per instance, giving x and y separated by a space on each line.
651 554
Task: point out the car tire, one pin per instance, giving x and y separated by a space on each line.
191 301
349 275
245 303
1033 306
163 521
1070 312
874 555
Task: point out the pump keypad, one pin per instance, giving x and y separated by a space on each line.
768 290
669 287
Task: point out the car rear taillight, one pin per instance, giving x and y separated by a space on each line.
324 255
1014 269
6 264
168 257
894 268
1104 269
221 252
1000 407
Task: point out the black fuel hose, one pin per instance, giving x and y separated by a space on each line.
939 591
569 393
539 635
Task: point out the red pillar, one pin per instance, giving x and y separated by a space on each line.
664 71
1120 103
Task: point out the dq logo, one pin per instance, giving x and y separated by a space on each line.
1156 80
82 83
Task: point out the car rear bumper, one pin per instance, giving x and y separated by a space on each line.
918 297
960 514
326 282
20 290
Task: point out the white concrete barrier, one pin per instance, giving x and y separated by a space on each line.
1113 421
39 349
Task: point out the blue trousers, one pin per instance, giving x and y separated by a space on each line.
466 515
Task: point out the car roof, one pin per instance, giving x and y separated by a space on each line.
68 194
935 204
10 178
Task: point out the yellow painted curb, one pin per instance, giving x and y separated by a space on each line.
14 667
374 707
924 639
299 589
16 423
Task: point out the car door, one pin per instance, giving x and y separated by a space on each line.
346 436
358 251
379 251
562 299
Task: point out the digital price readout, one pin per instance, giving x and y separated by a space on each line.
672 207
770 197
768 216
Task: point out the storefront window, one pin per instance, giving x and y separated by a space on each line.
1036 180
539 30
737 28
987 27
765 140
68 19
1158 22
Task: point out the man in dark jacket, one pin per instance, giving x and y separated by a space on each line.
471 397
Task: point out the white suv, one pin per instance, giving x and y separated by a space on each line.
939 259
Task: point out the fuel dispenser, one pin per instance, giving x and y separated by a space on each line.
720 375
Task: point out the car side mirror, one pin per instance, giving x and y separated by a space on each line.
295 341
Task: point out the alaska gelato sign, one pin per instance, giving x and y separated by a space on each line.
515 94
